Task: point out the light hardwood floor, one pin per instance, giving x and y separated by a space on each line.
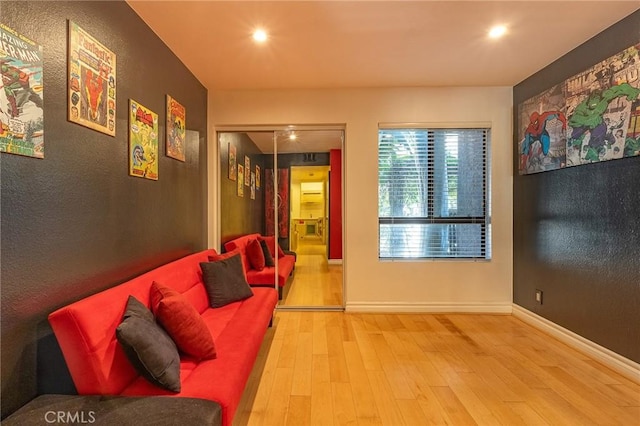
334 368
315 282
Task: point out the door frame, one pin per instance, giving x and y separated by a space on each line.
214 199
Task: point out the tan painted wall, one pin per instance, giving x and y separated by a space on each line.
393 286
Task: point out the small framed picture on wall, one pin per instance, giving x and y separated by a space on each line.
233 173
247 168
240 180
253 185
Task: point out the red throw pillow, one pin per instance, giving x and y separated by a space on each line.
271 243
255 255
182 322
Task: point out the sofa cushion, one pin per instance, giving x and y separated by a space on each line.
271 243
99 410
255 255
149 349
227 255
268 259
225 281
181 320
267 275
240 244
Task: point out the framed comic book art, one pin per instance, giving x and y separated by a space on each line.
253 185
176 129
92 82
247 168
590 117
233 174
21 96
240 180
143 141
257 176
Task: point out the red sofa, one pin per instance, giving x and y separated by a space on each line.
86 332
266 277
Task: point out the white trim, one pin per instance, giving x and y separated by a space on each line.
626 367
485 308
334 261
438 125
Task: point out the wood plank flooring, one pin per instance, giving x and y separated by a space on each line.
315 282
334 368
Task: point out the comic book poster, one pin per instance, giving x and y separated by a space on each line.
253 185
92 82
143 141
176 129
257 176
542 129
21 97
232 162
247 168
240 180
603 109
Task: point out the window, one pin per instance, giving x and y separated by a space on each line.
433 193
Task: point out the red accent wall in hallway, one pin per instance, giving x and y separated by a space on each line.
335 204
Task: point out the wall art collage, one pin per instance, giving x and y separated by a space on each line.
242 173
591 117
91 101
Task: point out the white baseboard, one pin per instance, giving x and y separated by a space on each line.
385 307
618 363
334 261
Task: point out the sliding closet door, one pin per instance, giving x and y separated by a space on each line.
286 184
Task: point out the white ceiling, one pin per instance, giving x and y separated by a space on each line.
337 44
334 44
306 141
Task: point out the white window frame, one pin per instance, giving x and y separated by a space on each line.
484 220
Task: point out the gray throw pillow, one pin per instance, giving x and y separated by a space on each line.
268 259
148 347
224 281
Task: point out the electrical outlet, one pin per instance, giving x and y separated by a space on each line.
539 296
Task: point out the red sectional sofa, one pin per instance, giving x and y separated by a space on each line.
86 332
266 277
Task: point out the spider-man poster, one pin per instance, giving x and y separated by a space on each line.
542 138
21 95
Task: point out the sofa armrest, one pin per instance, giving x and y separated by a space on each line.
117 410
292 253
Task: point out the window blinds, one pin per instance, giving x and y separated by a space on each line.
433 193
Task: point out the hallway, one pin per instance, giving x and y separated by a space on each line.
315 283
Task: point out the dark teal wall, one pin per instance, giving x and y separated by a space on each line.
74 222
576 230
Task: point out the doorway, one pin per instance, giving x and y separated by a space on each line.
298 200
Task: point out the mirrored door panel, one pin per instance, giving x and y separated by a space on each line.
286 185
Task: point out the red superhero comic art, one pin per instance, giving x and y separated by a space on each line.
592 116
92 82
21 95
176 129
542 132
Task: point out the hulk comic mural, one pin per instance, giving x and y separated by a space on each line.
593 116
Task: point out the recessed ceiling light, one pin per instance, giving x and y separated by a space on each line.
260 36
497 31
293 136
